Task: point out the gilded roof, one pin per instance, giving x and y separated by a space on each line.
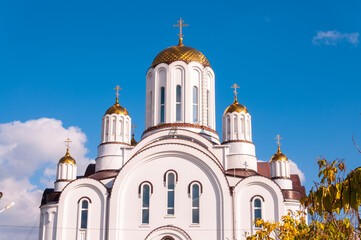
117 109
235 107
180 53
67 158
279 156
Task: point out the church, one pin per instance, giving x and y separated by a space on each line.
181 181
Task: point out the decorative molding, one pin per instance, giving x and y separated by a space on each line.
233 141
195 182
189 125
166 173
145 182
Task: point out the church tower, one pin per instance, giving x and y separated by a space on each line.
180 91
66 170
237 134
115 136
280 168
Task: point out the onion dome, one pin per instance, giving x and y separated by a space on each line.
180 53
117 109
133 142
279 156
235 107
67 158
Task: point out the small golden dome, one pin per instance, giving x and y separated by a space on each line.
117 109
67 158
235 107
180 53
279 156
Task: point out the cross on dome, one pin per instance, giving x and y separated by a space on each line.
235 86
67 143
180 25
117 88
133 128
278 137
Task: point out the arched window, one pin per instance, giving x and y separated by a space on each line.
257 210
151 107
207 109
178 103
195 104
106 128
171 179
120 128
235 127
162 104
84 214
228 128
83 217
167 238
195 194
145 189
114 125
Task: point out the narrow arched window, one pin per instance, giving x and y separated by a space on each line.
151 107
162 104
170 193
145 203
235 127
120 128
106 128
114 128
84 214
257 211
167 238
228 128
195 104
195 193
127 130
207 109
178 103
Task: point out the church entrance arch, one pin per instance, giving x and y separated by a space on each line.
168 233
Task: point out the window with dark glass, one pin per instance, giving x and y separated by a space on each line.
207 110
145 203
178 103
162 103
195 204
170 193
257 209
84 214
195 104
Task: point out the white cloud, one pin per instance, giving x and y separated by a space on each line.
31 150
296 170
334 37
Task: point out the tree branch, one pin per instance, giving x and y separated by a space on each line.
354 142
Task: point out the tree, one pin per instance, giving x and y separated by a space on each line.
333 206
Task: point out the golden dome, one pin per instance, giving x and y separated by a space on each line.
235 107
67 158
279 156
117 109
180 53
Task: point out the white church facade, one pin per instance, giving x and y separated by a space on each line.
180 181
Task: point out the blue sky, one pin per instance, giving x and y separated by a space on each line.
298 64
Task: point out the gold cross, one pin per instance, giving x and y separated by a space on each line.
180 27
67 143
278 137
117 88
235 86
133 128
